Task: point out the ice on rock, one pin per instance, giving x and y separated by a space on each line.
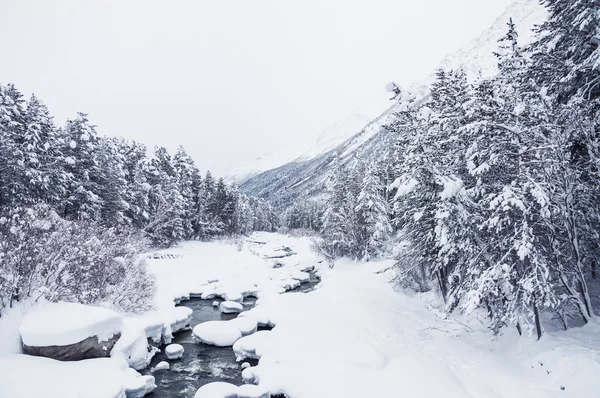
215 303
60 324
245 325
245 365
217 389
219 333
163 365
231 307
174 351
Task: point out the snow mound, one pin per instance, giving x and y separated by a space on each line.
163 365
245 325
231 307
217 389
89 378
133 346
60 324
228 390
246 347
174 351
219 333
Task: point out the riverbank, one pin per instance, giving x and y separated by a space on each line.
353 336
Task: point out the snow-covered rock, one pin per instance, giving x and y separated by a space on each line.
228 390
24 376
246 347
217 389
219 333
69 331
176 319
245 325
133 346
215 304
136 385
174 351
161 366
231 307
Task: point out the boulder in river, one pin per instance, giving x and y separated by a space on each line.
70 332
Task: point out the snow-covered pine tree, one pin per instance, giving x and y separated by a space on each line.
374 212
82 168
112 184
514 279
165 225
11 154
337 212
186 171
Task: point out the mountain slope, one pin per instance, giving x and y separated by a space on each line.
305 176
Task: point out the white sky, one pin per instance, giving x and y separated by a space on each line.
228 79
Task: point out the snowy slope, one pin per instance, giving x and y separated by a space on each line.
335 134
304 177
328 139
477 58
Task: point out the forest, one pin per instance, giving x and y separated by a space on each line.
489 191
77 208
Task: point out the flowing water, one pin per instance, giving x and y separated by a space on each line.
202 363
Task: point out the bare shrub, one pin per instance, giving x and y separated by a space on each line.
45 256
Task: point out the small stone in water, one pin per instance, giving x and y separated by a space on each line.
174 351
163 365
215 303
245 365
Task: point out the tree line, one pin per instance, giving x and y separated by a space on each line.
76 206
491 188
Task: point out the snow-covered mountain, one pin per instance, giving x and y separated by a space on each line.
305 176
332 136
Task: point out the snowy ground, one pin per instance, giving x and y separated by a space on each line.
357 337
354 336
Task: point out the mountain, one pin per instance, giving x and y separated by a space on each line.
330 137
305 176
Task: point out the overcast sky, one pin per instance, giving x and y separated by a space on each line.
228 79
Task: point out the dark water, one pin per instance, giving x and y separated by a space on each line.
202 363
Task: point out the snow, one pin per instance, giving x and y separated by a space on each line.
24 376
403 187
245 325
62 324
353 336
227 390
219 333
246 347
477 57
174 351
451 187
356 336
162 365
219 270
133 347
217 390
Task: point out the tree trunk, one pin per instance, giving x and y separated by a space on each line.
538 322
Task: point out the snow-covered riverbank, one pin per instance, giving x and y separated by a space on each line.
354 336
